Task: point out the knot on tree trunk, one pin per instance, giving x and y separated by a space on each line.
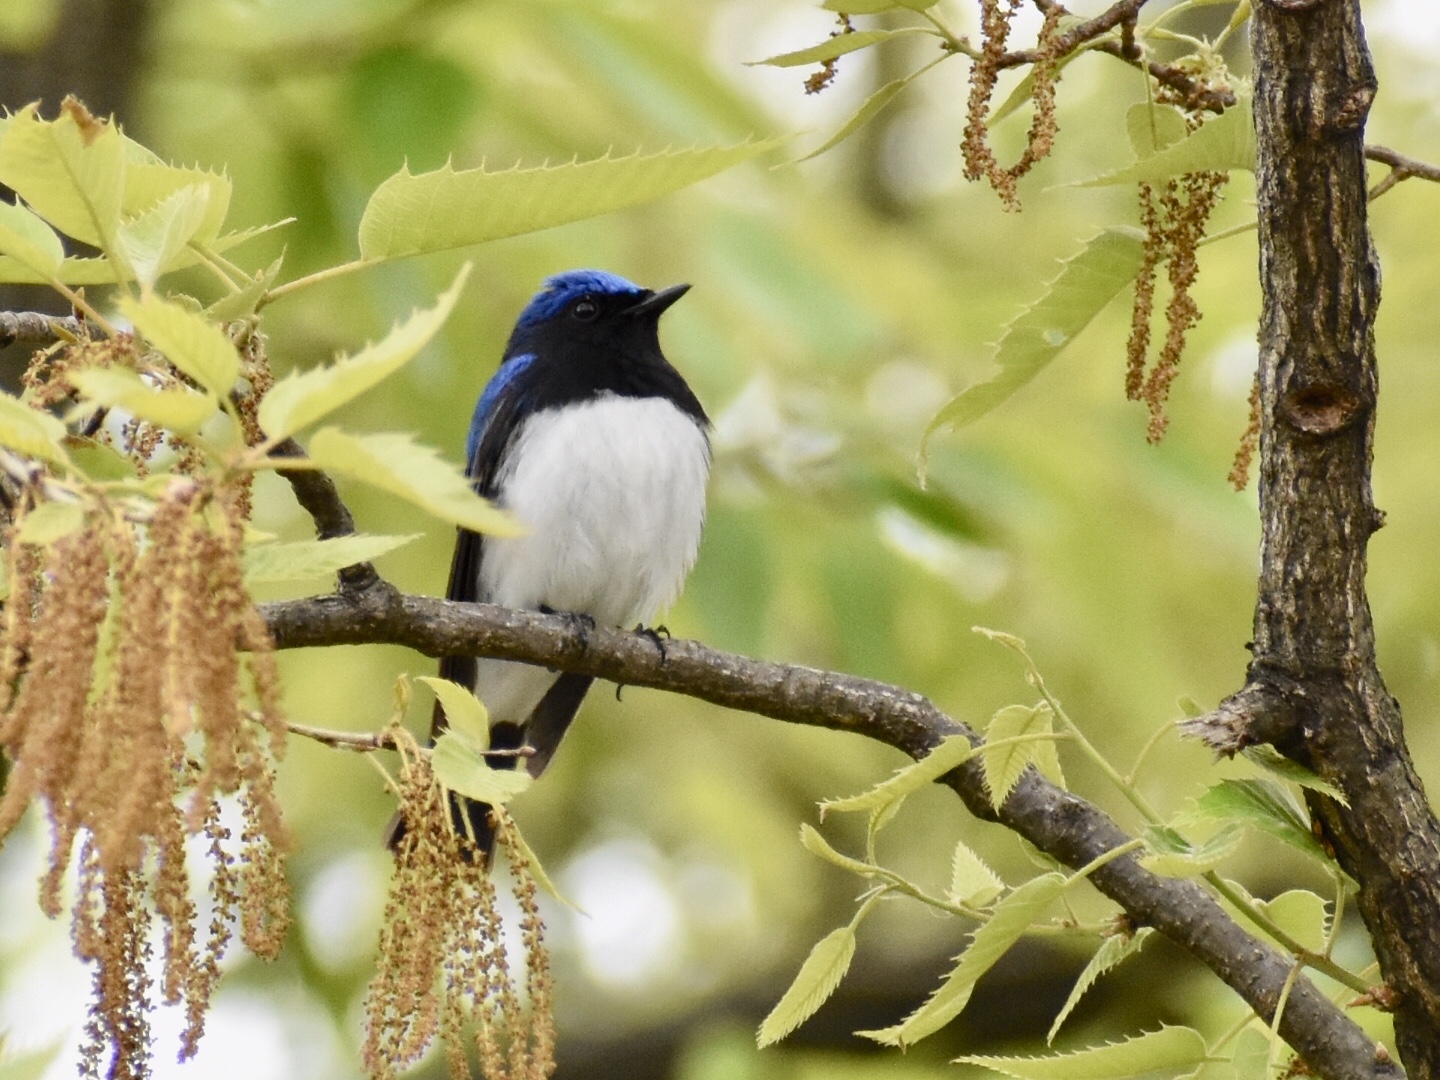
1321 409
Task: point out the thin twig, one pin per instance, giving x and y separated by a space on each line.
1401 168
317 494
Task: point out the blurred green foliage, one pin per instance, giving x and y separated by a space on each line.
837 305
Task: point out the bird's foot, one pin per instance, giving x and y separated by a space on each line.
582 623
657 634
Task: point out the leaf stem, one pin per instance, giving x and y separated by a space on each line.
213 264
1150 745
1308 958
329 273
82 305
1100 860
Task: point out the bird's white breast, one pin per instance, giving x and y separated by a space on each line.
612 492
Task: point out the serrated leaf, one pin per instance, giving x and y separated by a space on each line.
99 271
154 239
463 769
1153 128
972 882
411 214
1224 143
30 432
418 474
951 753
1251 1060
303 560
1111 953
816 981
1191 860
1086 284
872 106
198 348
1260 804
816 844
178 409
242 304
1011 918
303 397
837 46
72 177
1169 1048
50 521
1277 764
1302 914
28 240
148 183
465 715
1004 765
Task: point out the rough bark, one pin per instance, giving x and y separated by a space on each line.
1314 687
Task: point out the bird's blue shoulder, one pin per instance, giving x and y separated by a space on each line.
501 381
561 289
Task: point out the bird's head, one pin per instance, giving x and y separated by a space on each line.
594 312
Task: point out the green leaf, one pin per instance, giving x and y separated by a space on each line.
51 521
972 882
414 214
154 239
465 715
461 768
1153 128
73 178
1260 804
816 981
1170 1048
1025 88
1011 918
837 46
242 304
97 460
1251 1060
1302 914
198 348
304 397
537 871
99 271
1087 282
872 106
953 752
1111 953
1175 857
30 432
1277 764
397 464
1004 765
179 409
27 239
149 183
1223 143
816 844
303 560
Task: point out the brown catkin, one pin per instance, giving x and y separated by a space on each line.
1249 442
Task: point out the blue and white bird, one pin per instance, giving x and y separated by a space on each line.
590 438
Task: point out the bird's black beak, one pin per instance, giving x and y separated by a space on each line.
656 302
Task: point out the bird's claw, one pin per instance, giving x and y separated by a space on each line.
657 634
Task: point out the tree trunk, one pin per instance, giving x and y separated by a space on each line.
1314 688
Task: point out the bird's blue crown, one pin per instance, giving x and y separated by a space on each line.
560 290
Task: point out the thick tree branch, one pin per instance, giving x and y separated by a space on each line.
37 327
1059 823
1314 688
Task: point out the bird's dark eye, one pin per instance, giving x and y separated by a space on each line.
585 310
